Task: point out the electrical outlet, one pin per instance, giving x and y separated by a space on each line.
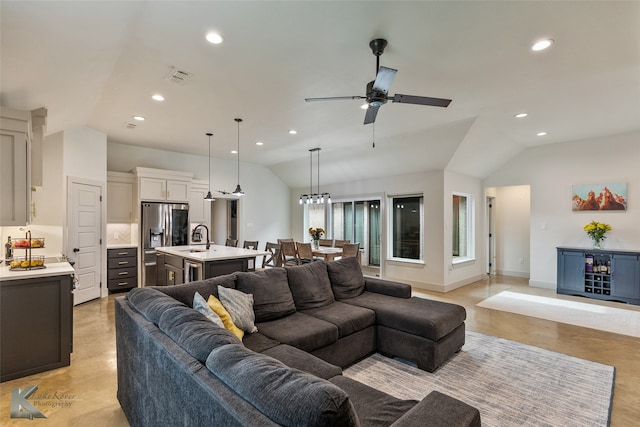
116 235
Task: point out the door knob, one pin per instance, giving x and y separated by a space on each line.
76 249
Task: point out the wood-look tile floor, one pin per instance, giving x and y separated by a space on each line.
86 390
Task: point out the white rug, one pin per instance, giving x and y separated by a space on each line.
511 384
609 319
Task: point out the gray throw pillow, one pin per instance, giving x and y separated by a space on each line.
240 308
200 304
310 286
272 298
346 278
287 396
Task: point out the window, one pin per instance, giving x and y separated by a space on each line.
358 221
406 227
462 227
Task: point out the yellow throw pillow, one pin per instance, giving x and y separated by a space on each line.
217 307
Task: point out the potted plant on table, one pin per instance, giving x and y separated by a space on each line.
316 234
597 231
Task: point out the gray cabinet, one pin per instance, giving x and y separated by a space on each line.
612 275
122 269
36 323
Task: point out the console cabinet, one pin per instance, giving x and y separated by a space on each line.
612 275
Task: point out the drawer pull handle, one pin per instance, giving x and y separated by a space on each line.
123 253
123 273
123 262
123 283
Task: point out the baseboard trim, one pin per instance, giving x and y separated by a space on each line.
543 285
522 274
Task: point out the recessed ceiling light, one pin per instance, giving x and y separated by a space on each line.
259 143
158 97
293 132
542 44
521 115
140 118
214 38
541 133
234 152
364 106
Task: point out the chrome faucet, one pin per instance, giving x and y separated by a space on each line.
193 233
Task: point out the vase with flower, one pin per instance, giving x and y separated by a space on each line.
597 232
316 234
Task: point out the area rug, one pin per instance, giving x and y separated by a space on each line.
608 319
511 384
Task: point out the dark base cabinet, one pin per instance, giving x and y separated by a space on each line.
122 269
612 275
36 323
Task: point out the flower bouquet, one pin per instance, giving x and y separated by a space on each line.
597 231
316 234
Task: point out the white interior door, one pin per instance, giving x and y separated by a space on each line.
84 226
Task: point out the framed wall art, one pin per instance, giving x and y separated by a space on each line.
599 197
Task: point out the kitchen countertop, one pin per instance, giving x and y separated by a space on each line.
52 269
122 246
215 253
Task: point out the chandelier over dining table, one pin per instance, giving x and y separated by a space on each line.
317 197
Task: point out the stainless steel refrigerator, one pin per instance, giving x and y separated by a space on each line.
163 224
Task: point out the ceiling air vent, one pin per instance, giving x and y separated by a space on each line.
178 76
130 125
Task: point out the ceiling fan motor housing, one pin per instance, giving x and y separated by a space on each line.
375 98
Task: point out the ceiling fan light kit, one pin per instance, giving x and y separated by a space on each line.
378 89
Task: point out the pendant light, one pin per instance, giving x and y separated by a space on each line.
209 197
318 198
238 191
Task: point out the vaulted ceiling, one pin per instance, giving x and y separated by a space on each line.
97 64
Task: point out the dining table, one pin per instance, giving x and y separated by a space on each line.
327 252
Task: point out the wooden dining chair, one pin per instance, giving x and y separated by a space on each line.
274 258
250 244
339 243
232 243
289 255
351 250
304 253
326 242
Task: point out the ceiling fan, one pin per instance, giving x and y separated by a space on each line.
377 90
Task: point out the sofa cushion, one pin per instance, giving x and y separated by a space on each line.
272 298
310 286
300 330
298 359
287 396
374 407
200 304
258 342
184 293
240 307
346 278
192 331
151 303
417 316
348 318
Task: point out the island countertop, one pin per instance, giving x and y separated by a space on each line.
214 253
51 269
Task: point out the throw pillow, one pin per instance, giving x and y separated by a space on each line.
240 307
346 278
310 286
200 304
219 309
272 298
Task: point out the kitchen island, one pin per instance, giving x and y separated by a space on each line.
182 264
36 319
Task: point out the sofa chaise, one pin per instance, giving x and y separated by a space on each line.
177 367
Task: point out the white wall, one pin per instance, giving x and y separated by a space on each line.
551 170
264 209
512 208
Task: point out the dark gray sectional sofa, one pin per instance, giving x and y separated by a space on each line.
176 367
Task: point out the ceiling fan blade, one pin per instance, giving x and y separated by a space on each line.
334 98
420 100
371 114
384 78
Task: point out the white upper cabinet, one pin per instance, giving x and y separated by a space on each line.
163 185
15 135
121 206
199 209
